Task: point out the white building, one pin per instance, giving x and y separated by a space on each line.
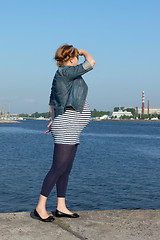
104 117
121 113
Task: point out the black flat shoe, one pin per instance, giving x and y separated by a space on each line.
49 219
61 214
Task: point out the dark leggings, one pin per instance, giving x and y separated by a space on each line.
63 157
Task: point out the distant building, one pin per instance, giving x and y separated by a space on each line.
121 113
152 110
104 117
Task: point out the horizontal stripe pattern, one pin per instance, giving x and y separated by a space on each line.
67 127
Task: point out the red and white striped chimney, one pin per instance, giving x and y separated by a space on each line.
143 102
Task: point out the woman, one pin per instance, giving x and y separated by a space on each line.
70 113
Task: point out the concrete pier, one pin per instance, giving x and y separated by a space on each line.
92 225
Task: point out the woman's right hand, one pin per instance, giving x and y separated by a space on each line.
49 126
81 52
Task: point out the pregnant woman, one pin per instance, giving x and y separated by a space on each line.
70 114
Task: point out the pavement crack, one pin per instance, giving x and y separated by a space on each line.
62 225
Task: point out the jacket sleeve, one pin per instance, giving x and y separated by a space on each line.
72 72
52 111
51 101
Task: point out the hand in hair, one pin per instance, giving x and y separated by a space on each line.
87 56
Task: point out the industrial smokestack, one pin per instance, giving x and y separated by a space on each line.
148 107
143 102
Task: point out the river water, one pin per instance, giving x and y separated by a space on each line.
117 166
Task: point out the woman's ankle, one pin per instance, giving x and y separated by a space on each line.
61 203
41 206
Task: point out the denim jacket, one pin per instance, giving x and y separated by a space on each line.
69 88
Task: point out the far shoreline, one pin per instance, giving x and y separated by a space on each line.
92 119
124 120
8 121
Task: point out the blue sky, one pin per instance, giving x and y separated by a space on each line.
123 37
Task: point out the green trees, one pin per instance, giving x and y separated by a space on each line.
37 115
96 113
126 117
132 110
149 116
144 116
116 109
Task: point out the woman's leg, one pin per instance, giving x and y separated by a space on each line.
41 207
61 159
62 183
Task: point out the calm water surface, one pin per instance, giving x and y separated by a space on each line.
117 166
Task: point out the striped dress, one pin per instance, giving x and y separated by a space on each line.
67 127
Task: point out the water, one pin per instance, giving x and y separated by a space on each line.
117 166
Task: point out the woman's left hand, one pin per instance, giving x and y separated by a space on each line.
49 126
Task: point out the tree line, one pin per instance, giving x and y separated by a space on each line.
96 113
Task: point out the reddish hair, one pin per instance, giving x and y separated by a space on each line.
64 53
